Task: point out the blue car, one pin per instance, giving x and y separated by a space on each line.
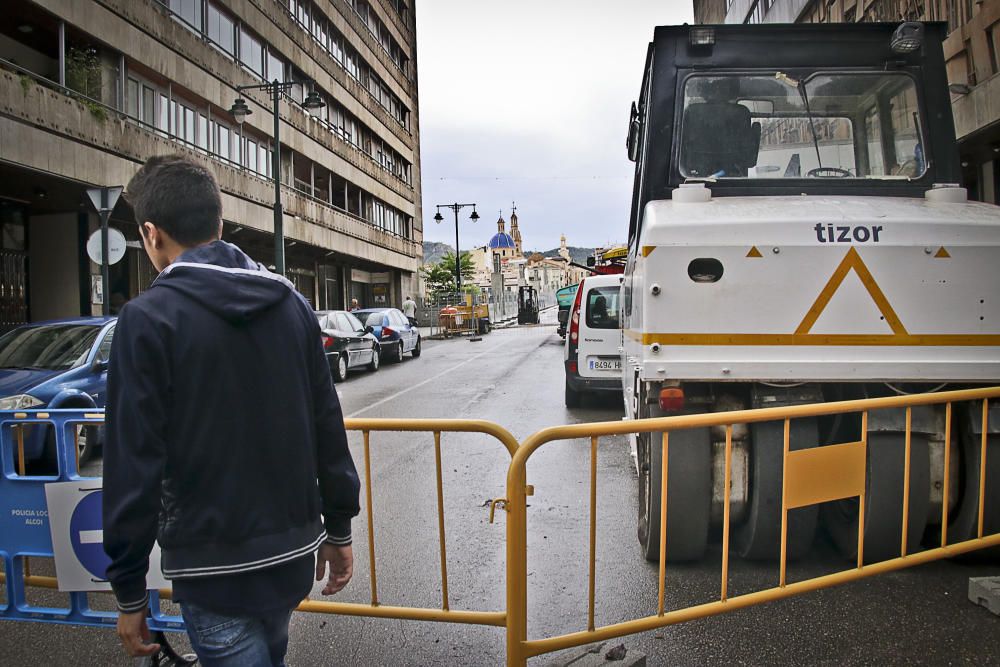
56 364
394 333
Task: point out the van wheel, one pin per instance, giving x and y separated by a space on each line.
573 398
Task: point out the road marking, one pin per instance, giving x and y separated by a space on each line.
430 379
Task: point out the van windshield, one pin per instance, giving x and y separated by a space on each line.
787 125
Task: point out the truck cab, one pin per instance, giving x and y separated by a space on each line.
798 235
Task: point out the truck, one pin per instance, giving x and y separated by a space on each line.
798 235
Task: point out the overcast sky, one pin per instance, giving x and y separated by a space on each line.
528 101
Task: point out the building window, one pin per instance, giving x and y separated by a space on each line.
275 67
132 98
202 132
251 53
991 46
148 111
163 119
221 30
189 11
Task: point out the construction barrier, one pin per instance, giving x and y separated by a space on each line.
811 476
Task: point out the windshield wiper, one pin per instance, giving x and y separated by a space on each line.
800 86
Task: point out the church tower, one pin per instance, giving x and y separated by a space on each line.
563 250
515 232
501 224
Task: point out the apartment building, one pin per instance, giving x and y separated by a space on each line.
970 50
89 89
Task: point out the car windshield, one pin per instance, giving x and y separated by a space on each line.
789 125
51 347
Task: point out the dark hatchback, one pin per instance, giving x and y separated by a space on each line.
348 343
394 333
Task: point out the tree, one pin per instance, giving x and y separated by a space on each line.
440 277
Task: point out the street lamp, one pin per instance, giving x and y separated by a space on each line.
458 255
240 111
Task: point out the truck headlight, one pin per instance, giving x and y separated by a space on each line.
19 402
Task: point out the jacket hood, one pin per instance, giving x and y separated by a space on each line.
225 280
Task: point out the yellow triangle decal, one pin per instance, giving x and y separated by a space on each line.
754 252
852 262
942 253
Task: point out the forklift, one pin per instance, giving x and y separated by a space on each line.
527 305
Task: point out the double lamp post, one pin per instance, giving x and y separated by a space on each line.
458 255
240 111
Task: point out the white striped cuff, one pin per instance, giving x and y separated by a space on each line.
132 607
338 540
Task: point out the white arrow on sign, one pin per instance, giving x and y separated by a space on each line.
113 194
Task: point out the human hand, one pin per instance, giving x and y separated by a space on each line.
134 633
341 561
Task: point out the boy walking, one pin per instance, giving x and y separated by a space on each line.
225 436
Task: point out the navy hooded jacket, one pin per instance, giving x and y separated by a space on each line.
225 438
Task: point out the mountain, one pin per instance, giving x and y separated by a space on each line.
578 255
434 251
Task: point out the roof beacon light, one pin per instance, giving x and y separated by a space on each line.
907 38
701 36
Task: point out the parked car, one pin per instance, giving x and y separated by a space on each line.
347 342
57 364
394 333
592 359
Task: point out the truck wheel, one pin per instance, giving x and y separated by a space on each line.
964 521
884 500
759 537
573 398
689 493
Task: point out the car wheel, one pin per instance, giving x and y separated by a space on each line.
398 354
416 348
86 442
373 366
340 369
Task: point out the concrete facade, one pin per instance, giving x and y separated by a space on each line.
970 51
89 89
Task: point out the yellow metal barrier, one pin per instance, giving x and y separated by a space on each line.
811 476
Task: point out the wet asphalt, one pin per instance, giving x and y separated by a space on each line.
514 377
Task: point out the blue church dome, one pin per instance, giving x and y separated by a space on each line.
501 240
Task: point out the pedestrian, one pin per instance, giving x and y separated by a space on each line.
410 310
354 305
225 438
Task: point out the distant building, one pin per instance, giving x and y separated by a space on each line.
970 51
91 89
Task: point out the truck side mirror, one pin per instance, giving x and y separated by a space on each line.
632 139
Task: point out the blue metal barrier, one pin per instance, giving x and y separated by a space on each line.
24 520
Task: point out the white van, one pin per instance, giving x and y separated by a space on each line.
591 353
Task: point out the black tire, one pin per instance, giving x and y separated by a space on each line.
87 443
884 500
397 355
339 369
759 538
963 523
689 493
373 365
416 349
573 398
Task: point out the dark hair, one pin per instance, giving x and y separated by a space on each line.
179 196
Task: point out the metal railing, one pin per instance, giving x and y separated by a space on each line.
811 476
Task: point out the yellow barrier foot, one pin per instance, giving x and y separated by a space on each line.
605 653
985 591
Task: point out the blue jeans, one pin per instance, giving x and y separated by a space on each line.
223 641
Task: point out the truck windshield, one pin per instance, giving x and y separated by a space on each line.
782 125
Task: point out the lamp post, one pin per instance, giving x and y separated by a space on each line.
458 255
240 111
